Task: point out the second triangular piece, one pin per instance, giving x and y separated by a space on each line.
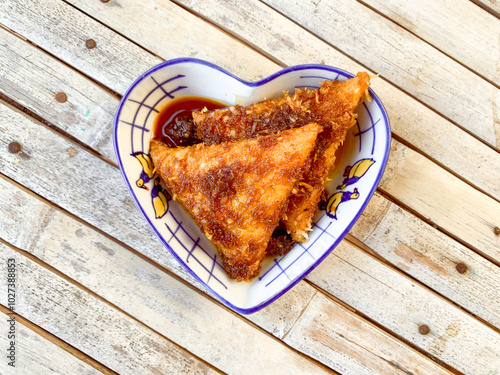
237 191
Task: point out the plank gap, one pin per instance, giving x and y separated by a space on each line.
243 41
427 220
443 166
416 281
109 28
97 296
375 10
59 342
12 104
481 5
493 147
110 91
298 317
384 329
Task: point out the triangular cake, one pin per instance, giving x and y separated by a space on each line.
331 106
238 191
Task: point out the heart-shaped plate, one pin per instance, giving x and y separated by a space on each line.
360 164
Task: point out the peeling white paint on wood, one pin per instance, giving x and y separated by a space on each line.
35 354
335 338
445 200
326 329
459 28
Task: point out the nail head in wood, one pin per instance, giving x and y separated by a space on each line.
104 1
61 97
14 147
461 268
496 230
424 329
90 43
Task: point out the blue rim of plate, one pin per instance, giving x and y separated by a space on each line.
261 82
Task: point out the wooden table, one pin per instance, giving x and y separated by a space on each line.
413 289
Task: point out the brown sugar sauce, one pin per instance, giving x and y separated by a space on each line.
174 124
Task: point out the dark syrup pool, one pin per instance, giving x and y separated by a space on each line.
174 123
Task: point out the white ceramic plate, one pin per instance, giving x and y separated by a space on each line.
357 174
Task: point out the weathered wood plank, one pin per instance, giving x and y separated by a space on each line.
93 326
493 6
193 37
37 355
78 181
404 60
72 166
431 257
62 30
446 201
59 151
179 312
334 336
459 28
401 306
423 128
32 78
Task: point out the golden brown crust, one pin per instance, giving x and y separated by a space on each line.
332 106
237 192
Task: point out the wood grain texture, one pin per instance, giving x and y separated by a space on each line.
470 35
403 59
173 32
493 6
446 201
62 31
415 123
96 328
400 305
115 62
395 100
431 257
177 311
37 355
128 231
333 336
32 78
79 182
89 188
